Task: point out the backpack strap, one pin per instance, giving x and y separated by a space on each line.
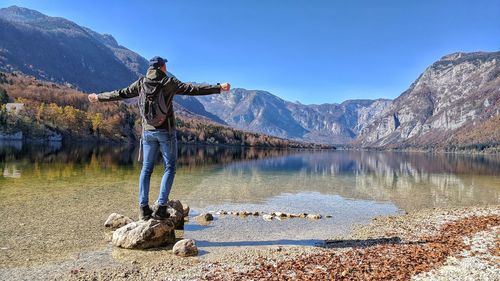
141 93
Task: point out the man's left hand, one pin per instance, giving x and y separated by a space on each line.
93 98
225 86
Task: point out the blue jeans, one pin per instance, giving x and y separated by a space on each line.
166 143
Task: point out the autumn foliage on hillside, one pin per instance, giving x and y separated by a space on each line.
52 108
483 135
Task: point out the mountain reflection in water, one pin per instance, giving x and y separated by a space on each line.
210 175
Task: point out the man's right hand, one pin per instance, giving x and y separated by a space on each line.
93 98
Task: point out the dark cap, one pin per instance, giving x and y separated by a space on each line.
157 62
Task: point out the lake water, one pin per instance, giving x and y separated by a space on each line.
54 200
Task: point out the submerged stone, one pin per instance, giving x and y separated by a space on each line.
205 217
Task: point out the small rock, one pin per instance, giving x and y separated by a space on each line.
175 209
267 217
185 248
205 217
328 216
185 210
115 221
314 216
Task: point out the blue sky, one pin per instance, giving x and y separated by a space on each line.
307 51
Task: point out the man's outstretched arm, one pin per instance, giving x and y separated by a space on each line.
180 88
125 93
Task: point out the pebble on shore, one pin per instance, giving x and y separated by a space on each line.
185 248
205 218
273 215
267 217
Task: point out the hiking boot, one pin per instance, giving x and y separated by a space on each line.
161 213
146 213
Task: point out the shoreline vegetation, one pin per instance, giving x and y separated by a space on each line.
42 111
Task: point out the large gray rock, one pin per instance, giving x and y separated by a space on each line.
115 221
144 234
185 248
150 233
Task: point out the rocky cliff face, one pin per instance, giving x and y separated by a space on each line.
58 50
265 113
454 103
254 110
336 123
459 90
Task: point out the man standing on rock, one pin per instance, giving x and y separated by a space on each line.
156 92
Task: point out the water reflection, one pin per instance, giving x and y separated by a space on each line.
235 174
122 155
215 175
378 163
40 184
409 180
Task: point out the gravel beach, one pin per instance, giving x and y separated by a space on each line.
432 244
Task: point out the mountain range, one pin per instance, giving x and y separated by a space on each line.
58 50
454 103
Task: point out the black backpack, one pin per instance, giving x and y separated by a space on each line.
152 102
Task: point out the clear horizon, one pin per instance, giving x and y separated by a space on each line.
340 51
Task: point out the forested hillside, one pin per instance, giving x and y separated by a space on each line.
47 109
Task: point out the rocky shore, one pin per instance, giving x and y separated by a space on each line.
435 244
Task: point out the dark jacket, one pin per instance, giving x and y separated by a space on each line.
171 86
